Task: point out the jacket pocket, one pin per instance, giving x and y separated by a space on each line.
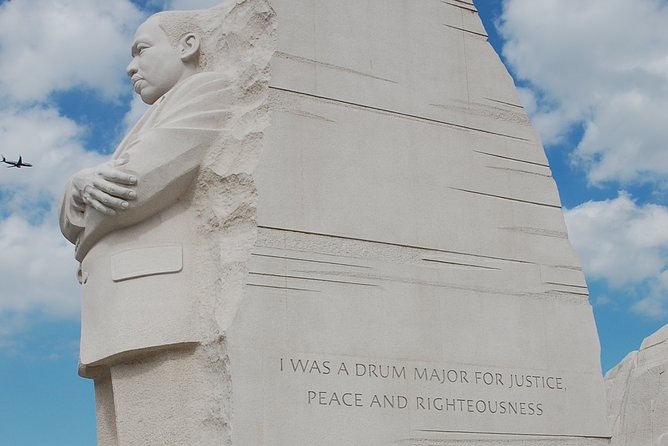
142 262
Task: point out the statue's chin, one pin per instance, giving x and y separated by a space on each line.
147 97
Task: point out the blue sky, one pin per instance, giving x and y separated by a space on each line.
593 75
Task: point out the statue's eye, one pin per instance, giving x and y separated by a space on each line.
141 48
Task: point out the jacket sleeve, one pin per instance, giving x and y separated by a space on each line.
165 158
71 220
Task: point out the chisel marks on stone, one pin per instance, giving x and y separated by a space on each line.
487 111
501 197
282 288
528 172
519 160
371 108
360 248
468 265
582 287
286 105
467 31
462 5
331 66
506 103
301 259
315 279
539 231
573 293
308 115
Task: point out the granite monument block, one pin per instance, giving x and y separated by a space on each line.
335 226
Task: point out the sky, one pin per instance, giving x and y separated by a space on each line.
593 76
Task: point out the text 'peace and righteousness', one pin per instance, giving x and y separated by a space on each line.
430 389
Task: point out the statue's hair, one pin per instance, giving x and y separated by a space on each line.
234 36
177 24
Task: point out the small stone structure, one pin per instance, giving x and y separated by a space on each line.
638 395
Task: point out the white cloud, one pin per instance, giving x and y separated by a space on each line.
654 305
37 270
625 244
51 143
11 323
600 63
37 267
603 300
48 45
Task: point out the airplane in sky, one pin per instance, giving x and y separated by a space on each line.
18 163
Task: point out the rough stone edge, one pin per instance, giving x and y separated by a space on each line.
227 197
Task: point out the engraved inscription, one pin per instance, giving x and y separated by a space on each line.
430 389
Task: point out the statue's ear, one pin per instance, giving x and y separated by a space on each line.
189 46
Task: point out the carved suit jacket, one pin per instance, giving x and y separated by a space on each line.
142 268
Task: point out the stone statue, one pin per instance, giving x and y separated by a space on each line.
387 263
150 224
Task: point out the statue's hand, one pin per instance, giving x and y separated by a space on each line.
104 188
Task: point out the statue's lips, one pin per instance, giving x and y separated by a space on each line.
137 83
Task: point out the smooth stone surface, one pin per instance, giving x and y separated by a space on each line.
638 394
412 262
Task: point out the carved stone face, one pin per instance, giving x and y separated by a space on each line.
156 65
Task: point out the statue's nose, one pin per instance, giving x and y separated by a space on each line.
131 69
